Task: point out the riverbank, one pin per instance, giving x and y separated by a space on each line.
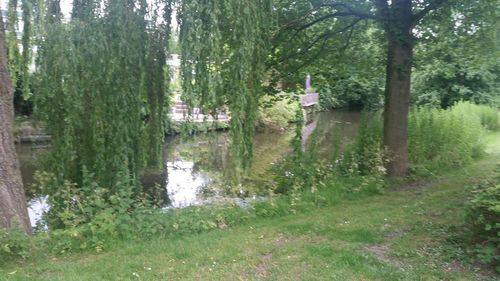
199 165
400 235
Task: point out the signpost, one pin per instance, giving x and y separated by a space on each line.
308 100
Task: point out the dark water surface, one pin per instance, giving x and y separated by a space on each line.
197 169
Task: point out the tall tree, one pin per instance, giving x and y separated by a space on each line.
13 211
399 19
453 60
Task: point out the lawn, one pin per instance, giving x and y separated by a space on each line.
407 233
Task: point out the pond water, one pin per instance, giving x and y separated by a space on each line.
197 169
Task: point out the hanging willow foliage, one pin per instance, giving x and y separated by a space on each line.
98 83
156 77
224 48
25 60
12 42
53 14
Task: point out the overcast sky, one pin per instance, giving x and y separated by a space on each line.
65 6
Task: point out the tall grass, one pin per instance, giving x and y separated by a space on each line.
488 116
438 138
445 138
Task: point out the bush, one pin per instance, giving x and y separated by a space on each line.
366 155
442 83
14 244
483 217
91 218
353 91
190 128
276 114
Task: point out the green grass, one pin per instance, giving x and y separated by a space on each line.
400 235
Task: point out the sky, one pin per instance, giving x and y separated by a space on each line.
65 6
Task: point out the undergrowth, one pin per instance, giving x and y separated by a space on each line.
88 218
483 220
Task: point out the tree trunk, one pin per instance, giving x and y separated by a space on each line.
397 89
13 211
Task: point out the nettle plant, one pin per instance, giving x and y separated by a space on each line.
483 217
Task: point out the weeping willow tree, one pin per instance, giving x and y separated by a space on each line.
102 90
224 49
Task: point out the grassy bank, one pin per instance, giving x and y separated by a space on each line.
403 234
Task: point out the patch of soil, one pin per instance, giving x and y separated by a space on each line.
414 185
379 251
261 268
280 241
382 251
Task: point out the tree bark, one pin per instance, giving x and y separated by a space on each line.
13 210
397 89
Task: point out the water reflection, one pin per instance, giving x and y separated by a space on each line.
36 208
185 185
198 168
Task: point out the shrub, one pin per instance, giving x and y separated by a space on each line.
483 217
276 114
14 244
352 91
90 217
303 169
366 155
190 128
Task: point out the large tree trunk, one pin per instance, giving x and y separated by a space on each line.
397 89
13 211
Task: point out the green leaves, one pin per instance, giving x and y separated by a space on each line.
483 214
102 92
224 48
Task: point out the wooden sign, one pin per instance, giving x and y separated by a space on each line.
309 99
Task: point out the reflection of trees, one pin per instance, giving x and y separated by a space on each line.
210 153
154 184
213 154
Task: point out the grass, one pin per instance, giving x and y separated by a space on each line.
403 234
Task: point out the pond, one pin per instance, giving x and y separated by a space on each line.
197 169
